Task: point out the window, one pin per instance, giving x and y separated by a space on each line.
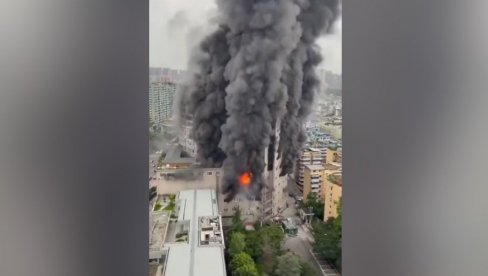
225 209
209 173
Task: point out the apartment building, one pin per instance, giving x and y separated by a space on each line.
161 101
313 180
310 156
332 189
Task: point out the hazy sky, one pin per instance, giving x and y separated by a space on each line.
176 26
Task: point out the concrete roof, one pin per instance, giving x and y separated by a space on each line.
158 226
314 167
316 149
193 259
174 156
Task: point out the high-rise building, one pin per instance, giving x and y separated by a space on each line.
161 100
157 74
184 137
326 182
273 194
310 156
277 185
313 180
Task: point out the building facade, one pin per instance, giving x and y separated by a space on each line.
313 180
188 240
310 156
184 137
161 101
326 182
273 194
332 192
158 74
332 155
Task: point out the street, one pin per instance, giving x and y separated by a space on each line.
302 243
301 246
153 159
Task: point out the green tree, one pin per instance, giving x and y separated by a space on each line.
338 232
237 243
328 238
247 270
316 204
267 260
269 236
253 244
307 270
288 265
243 265
338 220
272 236
237 225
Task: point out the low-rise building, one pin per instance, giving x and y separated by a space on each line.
176 158
189 242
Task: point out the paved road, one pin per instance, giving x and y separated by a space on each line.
301 243
301 246
155 157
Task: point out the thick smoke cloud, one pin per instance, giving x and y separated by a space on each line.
254 74
317 17
203 99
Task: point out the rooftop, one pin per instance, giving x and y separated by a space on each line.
314 167
335 178
333 166
203 253
315 149
157 235
176 155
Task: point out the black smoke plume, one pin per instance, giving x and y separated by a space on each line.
256 73
203 99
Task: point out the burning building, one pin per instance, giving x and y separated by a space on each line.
271 200
251 91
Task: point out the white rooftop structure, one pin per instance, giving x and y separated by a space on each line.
203 254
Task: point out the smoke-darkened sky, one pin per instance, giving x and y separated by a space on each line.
176 26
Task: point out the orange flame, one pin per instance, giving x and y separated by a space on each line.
245 179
